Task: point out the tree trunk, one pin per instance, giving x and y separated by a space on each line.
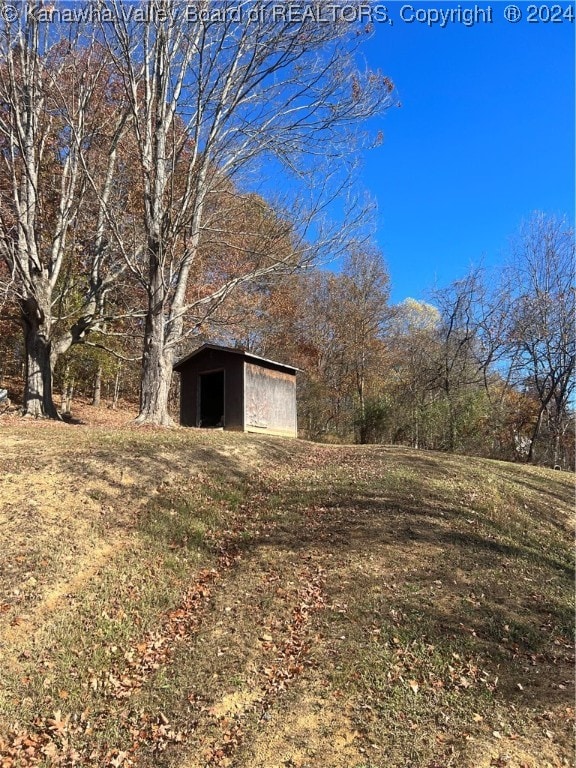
38 400
156 374
155 388
64 407
69 397
451 425
158 354
531 452
363 432
556 456
559 429
97 388
117 382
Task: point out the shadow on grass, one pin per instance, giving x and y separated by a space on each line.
504 592
366 520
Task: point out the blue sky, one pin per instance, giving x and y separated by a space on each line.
484 136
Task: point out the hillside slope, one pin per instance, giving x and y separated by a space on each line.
184 598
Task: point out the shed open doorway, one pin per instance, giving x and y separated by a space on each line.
211 399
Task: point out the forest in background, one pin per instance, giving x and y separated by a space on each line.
485 368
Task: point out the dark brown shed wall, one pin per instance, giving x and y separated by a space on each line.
206 362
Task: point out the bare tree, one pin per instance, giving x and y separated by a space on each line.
542 346
330 325
52 234
234 94
460 361
413 345
360 305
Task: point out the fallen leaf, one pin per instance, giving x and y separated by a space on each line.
117 761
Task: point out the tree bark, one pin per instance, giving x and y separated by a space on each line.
69 396
155 388
416 427
38 399
531 456
67 392
64 407
97 388
363 432
556 455
157 363
117 387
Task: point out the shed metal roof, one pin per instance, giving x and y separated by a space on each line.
246 355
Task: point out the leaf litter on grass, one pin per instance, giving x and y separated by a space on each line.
316 605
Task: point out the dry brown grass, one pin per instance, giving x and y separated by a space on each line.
188 598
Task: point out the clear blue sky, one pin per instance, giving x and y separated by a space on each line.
484 136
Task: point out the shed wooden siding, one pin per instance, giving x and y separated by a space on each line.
270 400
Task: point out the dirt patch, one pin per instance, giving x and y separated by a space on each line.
316 734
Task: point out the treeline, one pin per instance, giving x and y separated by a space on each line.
487 367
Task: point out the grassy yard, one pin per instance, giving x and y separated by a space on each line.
188 598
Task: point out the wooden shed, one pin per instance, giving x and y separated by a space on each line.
229 388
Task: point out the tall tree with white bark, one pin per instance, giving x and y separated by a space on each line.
56 105
232 92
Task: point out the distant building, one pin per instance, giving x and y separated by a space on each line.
229 388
